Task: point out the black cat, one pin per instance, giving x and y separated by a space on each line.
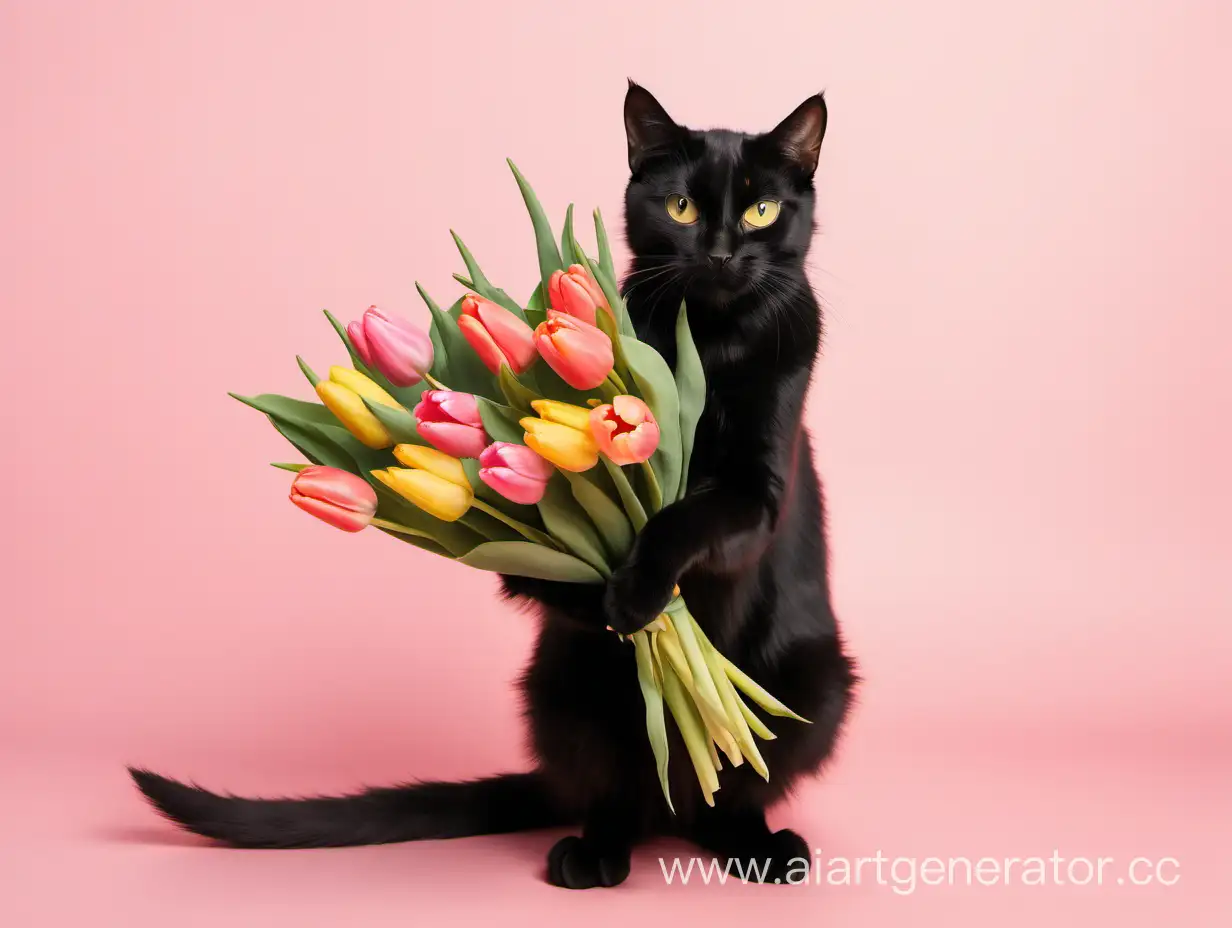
723 220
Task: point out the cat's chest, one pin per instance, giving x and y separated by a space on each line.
728 420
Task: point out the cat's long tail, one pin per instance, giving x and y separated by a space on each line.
510 802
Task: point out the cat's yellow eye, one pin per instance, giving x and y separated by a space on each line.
761 214
682 209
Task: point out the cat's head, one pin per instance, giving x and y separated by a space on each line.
720 213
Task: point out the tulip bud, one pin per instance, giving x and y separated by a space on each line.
579 352
576 417
562 435
515 472
450 421
399 350
576 293
342 395
432 480
625 430
336 497
497 335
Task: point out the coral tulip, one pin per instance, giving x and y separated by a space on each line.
576 293
562 435
450 421
625 430
399 350
334 496
579 352
344 394
432 480
497 335
515 472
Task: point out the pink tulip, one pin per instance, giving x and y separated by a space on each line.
579 352
334 496
450 422
515 472
399 350
497 335
575 292
625 430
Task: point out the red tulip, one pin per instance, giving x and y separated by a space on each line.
334 496
575 292
625 430
515 472
497 335
450 422
399 350
579 352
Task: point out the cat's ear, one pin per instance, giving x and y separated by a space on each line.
798 137
647 125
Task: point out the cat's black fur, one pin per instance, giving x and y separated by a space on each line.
746 545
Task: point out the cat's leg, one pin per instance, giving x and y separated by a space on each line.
742 836
600 855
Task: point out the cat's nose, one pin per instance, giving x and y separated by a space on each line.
718 260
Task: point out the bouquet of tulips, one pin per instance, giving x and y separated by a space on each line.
534 440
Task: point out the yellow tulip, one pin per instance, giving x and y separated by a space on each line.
344 394
576 417
421 457
432 480
567 447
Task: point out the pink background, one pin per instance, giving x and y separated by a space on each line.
1022 418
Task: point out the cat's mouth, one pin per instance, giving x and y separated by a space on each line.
719 285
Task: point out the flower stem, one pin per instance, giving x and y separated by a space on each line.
617 382
436 384
526 531
652 485
633 506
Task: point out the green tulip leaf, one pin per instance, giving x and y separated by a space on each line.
478 278
426 544
568 255
545 241
608 517
308 371
479 282
657 385
501 421
293 468
400 423
605 248
567 522
491 528
537 302
609 327
516 393
691 388
460 368
526 559
312 446
356 361
285 407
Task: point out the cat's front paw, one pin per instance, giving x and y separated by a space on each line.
633 599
